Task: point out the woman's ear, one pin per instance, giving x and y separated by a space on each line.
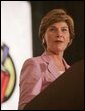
43 41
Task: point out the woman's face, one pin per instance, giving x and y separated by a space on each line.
57 37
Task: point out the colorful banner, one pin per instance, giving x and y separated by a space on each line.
16 47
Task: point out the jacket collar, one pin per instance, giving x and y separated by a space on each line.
51 64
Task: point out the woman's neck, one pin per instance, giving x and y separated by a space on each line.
58 60
56 55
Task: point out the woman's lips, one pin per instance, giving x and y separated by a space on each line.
58 41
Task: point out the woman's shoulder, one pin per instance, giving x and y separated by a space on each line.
33 60
32 63
31 66
36 62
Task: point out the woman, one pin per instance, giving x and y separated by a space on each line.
56 32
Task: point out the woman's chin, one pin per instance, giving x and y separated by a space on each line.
59 49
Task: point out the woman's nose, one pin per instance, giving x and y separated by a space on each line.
58 33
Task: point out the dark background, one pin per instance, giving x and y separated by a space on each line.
76 9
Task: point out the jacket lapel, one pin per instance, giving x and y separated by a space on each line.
51 64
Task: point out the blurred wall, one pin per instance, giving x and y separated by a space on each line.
76 9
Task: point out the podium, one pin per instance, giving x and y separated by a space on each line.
65 93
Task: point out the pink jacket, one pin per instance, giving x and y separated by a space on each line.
36 74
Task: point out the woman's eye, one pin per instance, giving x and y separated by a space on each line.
52 29
64 30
